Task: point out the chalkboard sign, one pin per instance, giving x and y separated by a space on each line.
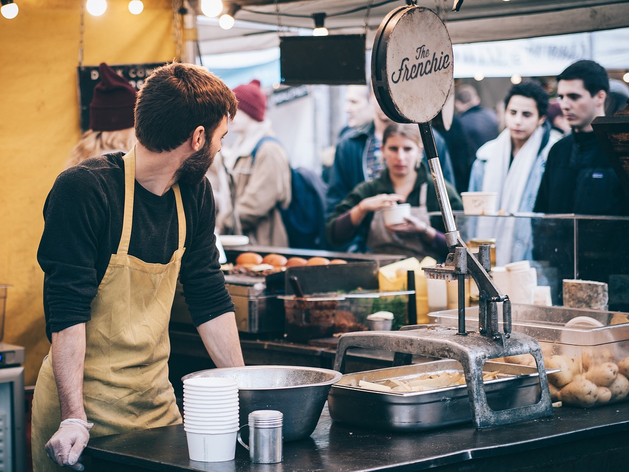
332 60
89 76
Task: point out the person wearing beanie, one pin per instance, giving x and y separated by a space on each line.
120 232
111 118
556 118
259 172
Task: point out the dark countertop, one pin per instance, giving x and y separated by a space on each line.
573 440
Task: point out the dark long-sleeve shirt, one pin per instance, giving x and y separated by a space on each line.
83 223
580 179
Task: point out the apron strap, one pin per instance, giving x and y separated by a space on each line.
129 190
181 216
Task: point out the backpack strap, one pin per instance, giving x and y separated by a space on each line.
260 143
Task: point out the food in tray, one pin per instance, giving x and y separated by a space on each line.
423 382
587 377
251 261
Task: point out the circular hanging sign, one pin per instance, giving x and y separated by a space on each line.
412 65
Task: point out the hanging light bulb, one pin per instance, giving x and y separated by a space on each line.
136 7
9 9
626 77
226 21
211 8
478 76
319 29
96 7
516 79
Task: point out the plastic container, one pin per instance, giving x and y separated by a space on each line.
323 315
396 214
479 203
591 349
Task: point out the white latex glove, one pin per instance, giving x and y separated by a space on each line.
67 444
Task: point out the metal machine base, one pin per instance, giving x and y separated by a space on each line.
471 351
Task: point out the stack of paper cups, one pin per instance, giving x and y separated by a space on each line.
522 282
210 418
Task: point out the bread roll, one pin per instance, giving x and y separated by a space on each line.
318 261
248 259
338 261
296 262
276 260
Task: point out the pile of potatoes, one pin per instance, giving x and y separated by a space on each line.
591 379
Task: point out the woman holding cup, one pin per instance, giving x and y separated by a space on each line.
390 214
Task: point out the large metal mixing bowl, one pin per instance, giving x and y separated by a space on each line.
298 392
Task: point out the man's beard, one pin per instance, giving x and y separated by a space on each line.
193 169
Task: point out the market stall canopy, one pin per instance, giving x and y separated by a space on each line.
259 23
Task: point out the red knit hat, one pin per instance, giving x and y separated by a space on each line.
113 102
251 99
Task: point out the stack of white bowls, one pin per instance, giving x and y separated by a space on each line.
210 418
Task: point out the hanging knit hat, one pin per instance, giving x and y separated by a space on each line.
251 99
554 110
113 102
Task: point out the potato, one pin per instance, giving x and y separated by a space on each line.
602 375
604 395
522 359
565 375
555 393
581 392
592 357
575 364
623 367
619 388
547 349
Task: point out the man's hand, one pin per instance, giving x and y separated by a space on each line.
67 444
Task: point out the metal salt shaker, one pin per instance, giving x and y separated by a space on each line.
265 436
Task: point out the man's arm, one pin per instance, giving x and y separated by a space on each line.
68 361
220 337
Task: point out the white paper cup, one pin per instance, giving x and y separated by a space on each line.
396 214
213 430
208 404
210 416
216 418
196 408
212 402
211 447
210 391
210 382
479 203
218 427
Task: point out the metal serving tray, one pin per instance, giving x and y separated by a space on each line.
420 411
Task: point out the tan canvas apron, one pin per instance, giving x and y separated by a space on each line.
125 383
380 240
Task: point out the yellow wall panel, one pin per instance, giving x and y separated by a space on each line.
39 125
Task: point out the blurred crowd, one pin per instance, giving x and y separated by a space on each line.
537 151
